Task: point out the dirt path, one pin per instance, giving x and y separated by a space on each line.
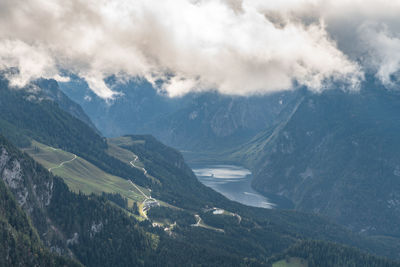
62 163
140 168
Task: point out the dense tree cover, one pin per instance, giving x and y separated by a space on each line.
318 253
101 234
336 154
19 242
180 187
98 233
50 89
181 217
116 199
24 116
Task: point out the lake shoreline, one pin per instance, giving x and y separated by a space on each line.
232 181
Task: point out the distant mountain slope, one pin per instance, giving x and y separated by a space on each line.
49 89
186 232
211 122
179 186
200 121
317 253
100 234
137 105
337 155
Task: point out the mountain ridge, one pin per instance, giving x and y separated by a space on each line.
99 232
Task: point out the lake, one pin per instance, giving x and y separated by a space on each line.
234 182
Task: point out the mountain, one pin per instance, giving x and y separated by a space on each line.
212 122
172 224
336 154
136 105
317 253
24 118
20 244
98 233
71 224
198 121
50 90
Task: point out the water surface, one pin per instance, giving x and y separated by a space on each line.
234 182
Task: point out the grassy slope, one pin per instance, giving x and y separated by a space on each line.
291 262
80 175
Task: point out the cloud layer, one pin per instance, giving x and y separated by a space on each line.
235 47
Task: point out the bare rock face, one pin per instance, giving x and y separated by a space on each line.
32 187
30 193
11 174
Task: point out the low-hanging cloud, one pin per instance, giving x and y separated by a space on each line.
232 46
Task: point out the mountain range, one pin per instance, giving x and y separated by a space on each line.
81 198
333 153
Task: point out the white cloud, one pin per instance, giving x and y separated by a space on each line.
383 52
235 47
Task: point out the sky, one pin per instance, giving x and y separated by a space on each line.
239 47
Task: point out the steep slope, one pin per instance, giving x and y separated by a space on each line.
72 224
49 89
23 118
82 176
19 243
317 253
337 155
203 121
137 104
99 233
179 186
211 122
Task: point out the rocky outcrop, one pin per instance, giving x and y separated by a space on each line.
32 187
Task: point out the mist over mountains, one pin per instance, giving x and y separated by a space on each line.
234 47
109 109
99 229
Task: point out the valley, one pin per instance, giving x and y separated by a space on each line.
97 199
200 133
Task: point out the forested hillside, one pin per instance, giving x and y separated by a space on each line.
336 155
23 118
99 233
197 121
98 230
317 253
20 244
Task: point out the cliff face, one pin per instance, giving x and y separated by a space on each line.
198 121
32 187
30 191
338 155
70 224
19 243
211 122
50 90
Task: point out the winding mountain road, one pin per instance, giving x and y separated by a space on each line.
148 202
137 167
62 163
